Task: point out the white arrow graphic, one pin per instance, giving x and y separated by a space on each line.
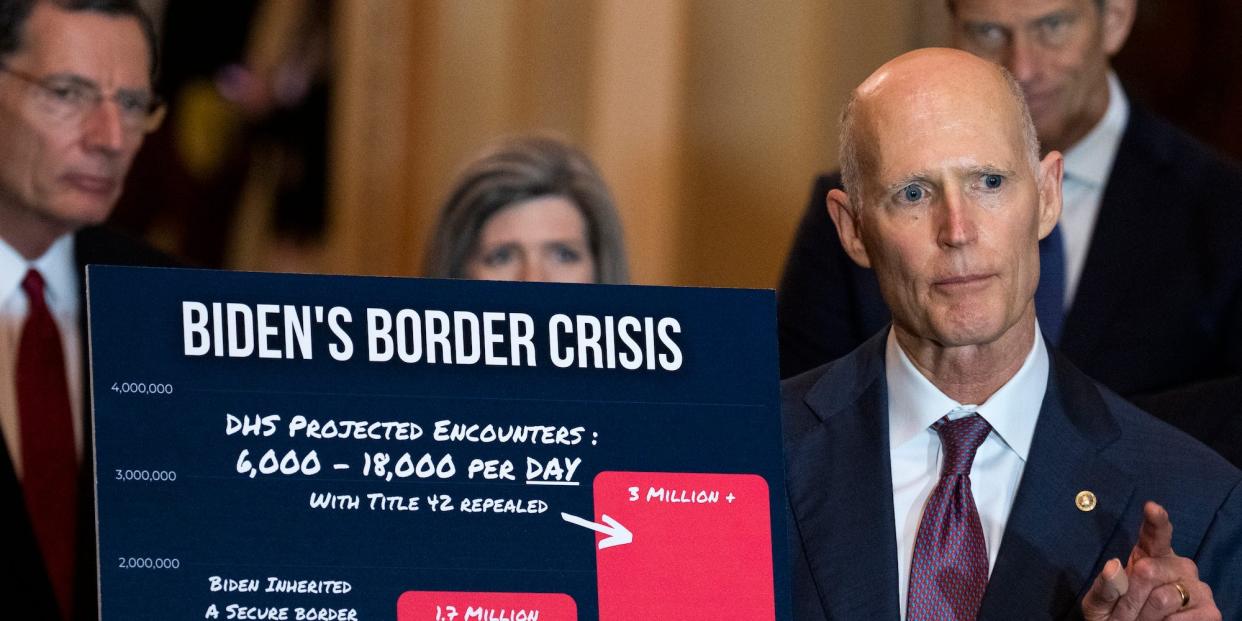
615 533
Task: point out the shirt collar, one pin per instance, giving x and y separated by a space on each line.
56 266
13 268
914 403
1090 159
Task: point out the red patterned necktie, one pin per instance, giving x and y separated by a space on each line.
49 458
949 571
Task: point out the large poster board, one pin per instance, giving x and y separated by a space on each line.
348 448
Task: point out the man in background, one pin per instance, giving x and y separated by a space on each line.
76 100
1141 284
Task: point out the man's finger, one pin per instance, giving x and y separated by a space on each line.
1202 606
1163 601
1108 587
1155 538
1146 577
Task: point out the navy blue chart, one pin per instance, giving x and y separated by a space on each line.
322 445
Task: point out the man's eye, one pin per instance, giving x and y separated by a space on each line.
497 257
1053 28
132 104
992 182
565 254
912 194
988 35
990 32
67 93
1053 24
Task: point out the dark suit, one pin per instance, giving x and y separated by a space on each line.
1087 438
29 594
1159 304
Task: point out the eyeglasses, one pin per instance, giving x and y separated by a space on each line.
69 99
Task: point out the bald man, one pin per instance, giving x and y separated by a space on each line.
1144 274
953 466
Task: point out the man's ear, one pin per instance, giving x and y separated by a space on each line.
1051 170
849 227
1116 19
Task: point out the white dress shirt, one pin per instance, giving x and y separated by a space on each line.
61 293
1087 166
914 403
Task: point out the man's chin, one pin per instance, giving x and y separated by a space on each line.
84 209
65 222
969 333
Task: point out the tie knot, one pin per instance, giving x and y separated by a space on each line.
32 284
960 439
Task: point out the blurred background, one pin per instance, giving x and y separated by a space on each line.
323 135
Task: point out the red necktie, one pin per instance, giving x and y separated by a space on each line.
49 458
949 571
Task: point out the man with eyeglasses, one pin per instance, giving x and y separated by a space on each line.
1141 283
76 101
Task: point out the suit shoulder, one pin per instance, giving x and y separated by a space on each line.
1167 449
825 389
109 246
1194 160
797 386
795 411
844 376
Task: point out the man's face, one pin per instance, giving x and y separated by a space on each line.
953 212
1057 49
60 176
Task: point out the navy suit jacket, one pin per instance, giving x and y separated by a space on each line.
842 533
1158 308
28 595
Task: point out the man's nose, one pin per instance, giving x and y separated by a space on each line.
957 226
102 128
532 270
1022 59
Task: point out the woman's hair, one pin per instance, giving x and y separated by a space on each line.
517 169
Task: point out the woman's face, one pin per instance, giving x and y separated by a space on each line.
543 239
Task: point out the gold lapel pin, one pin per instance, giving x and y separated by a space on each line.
1085 501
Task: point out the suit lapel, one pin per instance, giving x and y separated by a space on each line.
1126 214
845 516
1051 550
